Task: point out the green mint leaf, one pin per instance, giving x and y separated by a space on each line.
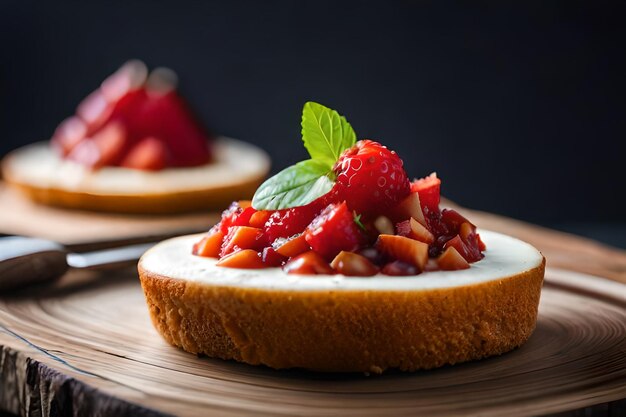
325 133
297 185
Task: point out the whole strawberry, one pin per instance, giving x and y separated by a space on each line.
370 178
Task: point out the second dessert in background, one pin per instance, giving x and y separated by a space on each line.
134 146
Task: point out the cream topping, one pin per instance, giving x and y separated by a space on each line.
505 257
40 166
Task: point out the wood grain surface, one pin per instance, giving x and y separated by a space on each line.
86 347
98 333
85 230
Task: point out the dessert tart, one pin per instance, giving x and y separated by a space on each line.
340 263
134 146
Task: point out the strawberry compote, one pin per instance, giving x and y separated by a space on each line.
404 233
134 120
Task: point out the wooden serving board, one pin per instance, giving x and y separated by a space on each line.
86 347
85 230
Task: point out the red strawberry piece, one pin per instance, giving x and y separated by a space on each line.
334 230
235 215
242 237
428 188
370 178
288 222
352 264
272 258
470 251
149 154
400 268
308 263
451 260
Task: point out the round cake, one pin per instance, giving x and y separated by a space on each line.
344 324
40 173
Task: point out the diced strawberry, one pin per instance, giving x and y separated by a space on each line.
399 268
467 232
210 245
352 264
419 232
242 237
149 154
334 230
403 228
469 252
289 222
244 259
428 189
293 246
259 218
404 249
451 260
370 178
409 207
308 263
453 220
235 216
272 258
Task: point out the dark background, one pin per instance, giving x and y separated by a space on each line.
519 108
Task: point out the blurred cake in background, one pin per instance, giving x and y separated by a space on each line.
134 146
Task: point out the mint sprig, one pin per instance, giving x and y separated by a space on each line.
297 185
326 134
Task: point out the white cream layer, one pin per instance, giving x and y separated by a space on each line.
505 257
235 162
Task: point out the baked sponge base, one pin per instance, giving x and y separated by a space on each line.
345 330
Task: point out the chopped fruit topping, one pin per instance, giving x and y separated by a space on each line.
308 263
292 246
242 237
451 260
271 257
134 121
383 225
352 264
244 259
351 204
409 207
419 232
404 249
370 178
286 223
149 154
428 190
399 268
210 246
259 218
334 230
235 215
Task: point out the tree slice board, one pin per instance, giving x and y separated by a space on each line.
87 347
85 230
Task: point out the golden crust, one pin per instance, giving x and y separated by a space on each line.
165 203
346 330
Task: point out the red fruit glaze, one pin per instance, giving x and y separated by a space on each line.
334 230
370 178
